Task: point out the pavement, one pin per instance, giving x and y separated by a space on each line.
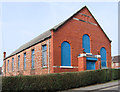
113 85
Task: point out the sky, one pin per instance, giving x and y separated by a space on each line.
20 22
119 28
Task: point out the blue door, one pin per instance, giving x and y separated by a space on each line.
103 56
65 54
90 65
86 43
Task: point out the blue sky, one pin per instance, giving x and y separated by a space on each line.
22 21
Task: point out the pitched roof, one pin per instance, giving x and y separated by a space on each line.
34 41
116 59
47 34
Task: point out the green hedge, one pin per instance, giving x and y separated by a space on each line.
59 81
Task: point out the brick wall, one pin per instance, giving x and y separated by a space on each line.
38 69
72 32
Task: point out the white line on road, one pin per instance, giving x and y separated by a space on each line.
114 87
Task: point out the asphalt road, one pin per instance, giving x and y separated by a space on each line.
113 86
109 89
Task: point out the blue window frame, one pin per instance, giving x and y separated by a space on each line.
8 66
33 56
44 55
12 64
103 57
86 43
65 54
24 61
18 62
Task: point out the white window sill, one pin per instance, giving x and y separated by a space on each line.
89 53
66 66
44 67
104 68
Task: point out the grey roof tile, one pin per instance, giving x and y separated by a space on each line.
34 41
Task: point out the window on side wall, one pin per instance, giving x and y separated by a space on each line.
8 66
44 56
24 61
19 63
12 64
33 59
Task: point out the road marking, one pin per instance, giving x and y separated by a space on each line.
116 88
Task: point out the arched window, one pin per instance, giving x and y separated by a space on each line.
86 43
65 54
103 56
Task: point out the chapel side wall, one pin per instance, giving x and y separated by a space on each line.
38 69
